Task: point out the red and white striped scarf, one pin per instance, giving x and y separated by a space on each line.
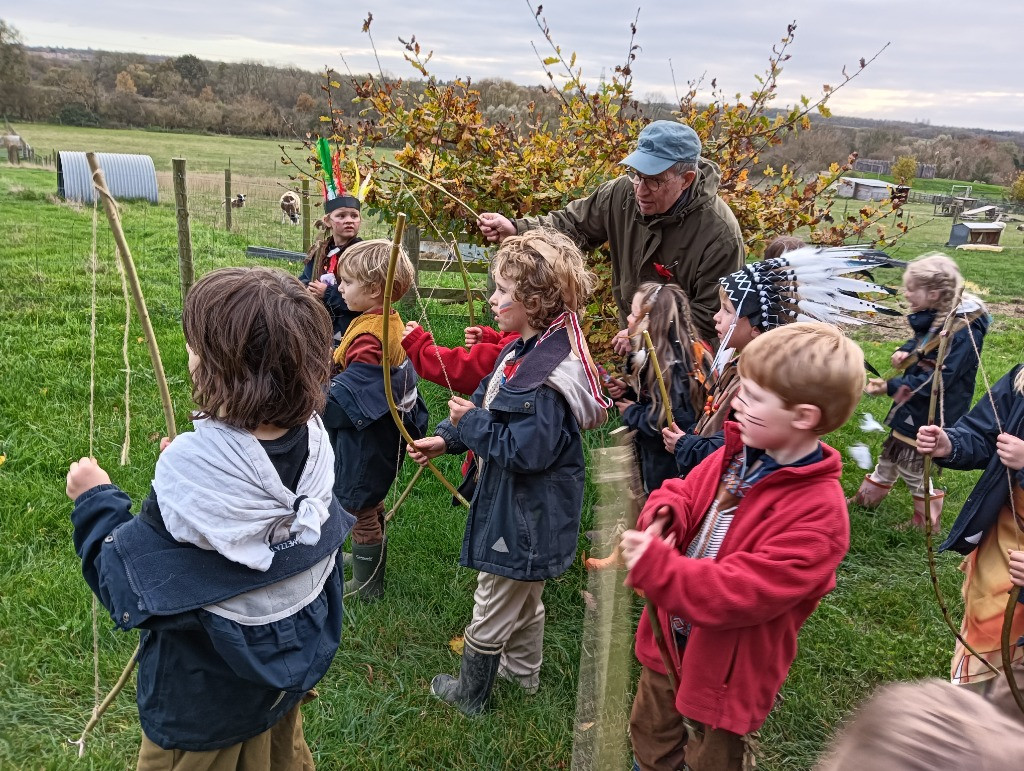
578 343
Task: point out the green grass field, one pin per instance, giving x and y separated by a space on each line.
213 153
880 624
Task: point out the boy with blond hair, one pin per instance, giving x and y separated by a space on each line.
368 446
524 426
737 556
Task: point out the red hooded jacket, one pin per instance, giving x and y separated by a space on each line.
778 559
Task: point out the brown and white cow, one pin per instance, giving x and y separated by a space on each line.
291 206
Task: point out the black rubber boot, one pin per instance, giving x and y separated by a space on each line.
471 689
368 561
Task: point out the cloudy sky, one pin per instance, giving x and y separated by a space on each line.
945 63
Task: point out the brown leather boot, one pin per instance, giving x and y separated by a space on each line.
918 520
870 494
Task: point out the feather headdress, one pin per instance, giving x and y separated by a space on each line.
807 284
335 194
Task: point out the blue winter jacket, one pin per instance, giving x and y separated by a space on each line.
959 369
368 448
974 446
524 518
205 681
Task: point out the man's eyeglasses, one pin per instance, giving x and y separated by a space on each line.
653 183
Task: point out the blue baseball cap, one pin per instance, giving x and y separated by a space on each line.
661 144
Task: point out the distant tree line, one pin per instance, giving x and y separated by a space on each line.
185 93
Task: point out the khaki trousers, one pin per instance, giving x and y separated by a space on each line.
887 472
508 615
282 747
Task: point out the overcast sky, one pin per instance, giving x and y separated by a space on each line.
949 63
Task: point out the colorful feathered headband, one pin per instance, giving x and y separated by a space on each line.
333 186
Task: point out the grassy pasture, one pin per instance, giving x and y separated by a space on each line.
374 710
245 155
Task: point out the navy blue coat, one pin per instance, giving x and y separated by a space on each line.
656 463
524 518
341 316
368 447
204 681
974 446
959 369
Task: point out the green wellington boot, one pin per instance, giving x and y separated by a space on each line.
368 561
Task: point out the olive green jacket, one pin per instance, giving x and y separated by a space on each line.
698 240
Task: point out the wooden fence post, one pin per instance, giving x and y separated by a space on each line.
306 218
185 267
411 244
227 198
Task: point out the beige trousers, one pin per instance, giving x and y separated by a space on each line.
887 472
508 615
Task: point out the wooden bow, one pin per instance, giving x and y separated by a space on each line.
139 301
389 285
940 357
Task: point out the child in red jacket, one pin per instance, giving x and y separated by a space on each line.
457 369
737 556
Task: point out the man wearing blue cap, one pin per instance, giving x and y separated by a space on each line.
662 218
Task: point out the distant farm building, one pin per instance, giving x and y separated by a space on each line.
968 234
869 166
864 189
128 176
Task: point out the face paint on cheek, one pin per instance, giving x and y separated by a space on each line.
506 307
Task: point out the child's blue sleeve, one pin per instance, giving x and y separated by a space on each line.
691 449
528 443
973 437
97 513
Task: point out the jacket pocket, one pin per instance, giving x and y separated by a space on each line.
526 532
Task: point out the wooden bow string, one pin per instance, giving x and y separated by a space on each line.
389 285
139 301
937 383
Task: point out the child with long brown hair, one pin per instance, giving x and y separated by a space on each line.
664 312
235 547
931 285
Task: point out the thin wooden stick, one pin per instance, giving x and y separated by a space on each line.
125 255
1004 644
465 278
396 245
434 185
665 403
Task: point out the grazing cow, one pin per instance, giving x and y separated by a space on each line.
238 201
291 205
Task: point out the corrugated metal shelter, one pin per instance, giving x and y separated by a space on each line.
128 176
